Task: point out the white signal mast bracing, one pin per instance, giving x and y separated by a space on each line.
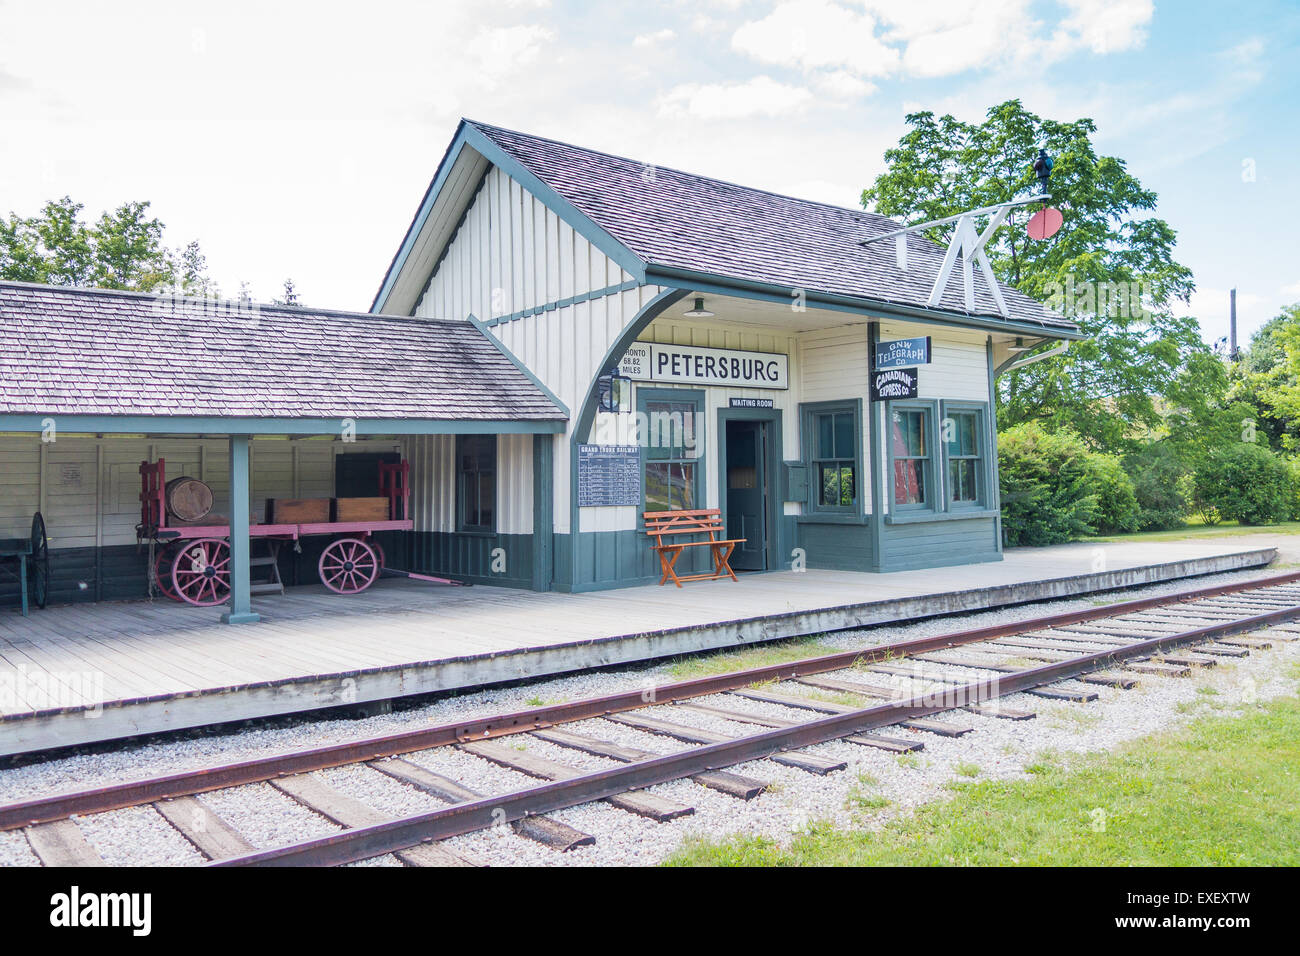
966 242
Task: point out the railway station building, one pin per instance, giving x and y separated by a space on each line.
564 341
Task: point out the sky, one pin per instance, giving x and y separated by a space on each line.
295 140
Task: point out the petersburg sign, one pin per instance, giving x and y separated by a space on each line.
692 365
893 383
902 353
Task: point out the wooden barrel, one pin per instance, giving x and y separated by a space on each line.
188 498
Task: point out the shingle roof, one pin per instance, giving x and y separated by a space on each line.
679 220
83 351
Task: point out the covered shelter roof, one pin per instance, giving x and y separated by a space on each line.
117 361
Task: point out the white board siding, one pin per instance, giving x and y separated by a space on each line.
510 254
89 488
433 483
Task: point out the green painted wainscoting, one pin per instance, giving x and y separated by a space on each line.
469 557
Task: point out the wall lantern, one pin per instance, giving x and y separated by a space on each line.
614 392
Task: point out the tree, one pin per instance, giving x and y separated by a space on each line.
1266 382
1110 269
123 249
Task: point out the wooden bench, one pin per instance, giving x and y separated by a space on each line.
706 521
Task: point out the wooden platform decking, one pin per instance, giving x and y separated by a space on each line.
82 673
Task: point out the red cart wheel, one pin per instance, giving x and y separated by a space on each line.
162 571
201 572
379 554
348 566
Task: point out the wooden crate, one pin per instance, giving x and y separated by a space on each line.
297 510
360 509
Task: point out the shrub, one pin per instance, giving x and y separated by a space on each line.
1046 485
1117 505
1161 484
1246 482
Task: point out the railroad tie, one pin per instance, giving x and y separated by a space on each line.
315 794
543 829
694 735
939 727
211 835
639 802
61 843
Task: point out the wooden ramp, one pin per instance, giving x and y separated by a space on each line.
83 673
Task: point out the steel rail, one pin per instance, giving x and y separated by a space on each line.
260 769
362 843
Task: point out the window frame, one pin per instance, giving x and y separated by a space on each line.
679 396
984 455
462 525
808 412
935 486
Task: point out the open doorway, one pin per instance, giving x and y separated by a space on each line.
746 490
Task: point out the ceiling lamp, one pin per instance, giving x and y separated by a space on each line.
699 312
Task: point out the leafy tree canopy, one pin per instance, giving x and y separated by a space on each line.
1111 268
123 249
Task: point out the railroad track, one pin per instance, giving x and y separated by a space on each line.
918 686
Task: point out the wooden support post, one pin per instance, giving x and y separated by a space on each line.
241 607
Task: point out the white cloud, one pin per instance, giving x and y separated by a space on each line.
650 39
761 96
1103 26
937 37
842 85
501 51
816 34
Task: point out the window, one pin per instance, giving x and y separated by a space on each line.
672 447
962 431
834 460
913 473
476 482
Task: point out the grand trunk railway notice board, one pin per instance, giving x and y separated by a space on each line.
609 475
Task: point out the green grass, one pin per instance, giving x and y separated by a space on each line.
1223 791
779 652
1195 528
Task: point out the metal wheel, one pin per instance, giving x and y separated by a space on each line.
201 572
38 571
348 566
162 571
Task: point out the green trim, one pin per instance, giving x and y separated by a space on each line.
462 527
528 373
995 486
690 280
854 512
981 411
563 303
543 512
909 517
775 544
873 453
241 594
937 492
681 396
245 425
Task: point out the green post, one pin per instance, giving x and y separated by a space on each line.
241 607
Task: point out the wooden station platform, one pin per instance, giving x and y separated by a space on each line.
90 672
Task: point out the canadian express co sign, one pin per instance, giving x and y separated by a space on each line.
692 365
